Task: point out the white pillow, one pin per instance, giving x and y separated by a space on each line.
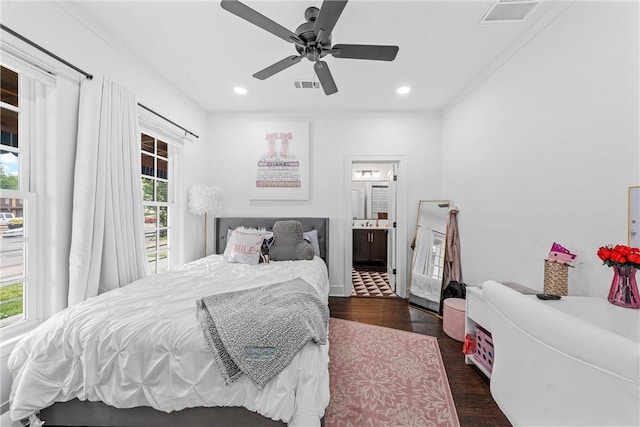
227 247
312 237
244 246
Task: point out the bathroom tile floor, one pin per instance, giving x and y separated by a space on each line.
370 284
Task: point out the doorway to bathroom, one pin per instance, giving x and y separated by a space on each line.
372 216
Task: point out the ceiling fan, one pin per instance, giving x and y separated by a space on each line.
312 40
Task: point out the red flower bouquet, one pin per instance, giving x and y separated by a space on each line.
624 260
619 255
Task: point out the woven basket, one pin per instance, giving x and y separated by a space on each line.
556 278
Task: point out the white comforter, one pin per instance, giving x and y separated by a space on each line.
142 345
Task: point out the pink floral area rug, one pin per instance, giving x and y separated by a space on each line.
386 377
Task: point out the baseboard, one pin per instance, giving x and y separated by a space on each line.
337 291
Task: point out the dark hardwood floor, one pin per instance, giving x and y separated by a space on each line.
469 386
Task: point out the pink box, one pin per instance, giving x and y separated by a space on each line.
484 348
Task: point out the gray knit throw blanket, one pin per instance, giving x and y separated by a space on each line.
258 331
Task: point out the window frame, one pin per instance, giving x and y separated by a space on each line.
169 204
32 124
153 127
436 260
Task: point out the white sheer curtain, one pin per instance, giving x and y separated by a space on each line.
107 237
422 284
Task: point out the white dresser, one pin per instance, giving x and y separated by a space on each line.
573 361
596 311
477 315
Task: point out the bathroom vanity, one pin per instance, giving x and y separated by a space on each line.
370 246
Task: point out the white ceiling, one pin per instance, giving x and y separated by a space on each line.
204 51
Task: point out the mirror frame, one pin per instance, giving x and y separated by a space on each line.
633 238
414 245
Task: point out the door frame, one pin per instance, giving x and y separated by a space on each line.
401 219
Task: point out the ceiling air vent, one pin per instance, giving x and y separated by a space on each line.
508 11
306 84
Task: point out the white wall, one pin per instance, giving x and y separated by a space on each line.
545 149
332 138
51 26
541 151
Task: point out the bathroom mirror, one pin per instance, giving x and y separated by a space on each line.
370 190
369 199
429 246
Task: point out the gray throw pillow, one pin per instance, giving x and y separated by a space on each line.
288 242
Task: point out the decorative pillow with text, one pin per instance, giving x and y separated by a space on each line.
244 246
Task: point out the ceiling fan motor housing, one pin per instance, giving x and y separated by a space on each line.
313 50
311 14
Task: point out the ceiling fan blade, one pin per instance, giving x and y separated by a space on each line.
326 79
365 51
327 18
245 12
277 67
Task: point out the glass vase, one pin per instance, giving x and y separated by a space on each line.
624 288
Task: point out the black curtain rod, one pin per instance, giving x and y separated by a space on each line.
87 75
48 52
170 121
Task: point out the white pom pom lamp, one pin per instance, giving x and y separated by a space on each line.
202 201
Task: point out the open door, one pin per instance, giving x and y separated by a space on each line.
373 238
392 205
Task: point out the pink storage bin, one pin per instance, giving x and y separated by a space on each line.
454 317
484 348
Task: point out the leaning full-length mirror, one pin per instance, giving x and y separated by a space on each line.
427 267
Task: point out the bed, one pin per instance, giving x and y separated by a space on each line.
136 356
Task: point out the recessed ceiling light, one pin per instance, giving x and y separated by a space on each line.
402 90
240 90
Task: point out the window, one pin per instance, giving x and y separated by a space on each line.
20 122
379 200
157 196
436 260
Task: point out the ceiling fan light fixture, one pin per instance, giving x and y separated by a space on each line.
240 90
403 90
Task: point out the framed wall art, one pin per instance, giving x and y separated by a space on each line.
279 160
634 216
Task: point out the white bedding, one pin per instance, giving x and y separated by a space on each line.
426 287
142 345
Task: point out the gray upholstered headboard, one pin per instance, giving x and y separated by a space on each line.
308 224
